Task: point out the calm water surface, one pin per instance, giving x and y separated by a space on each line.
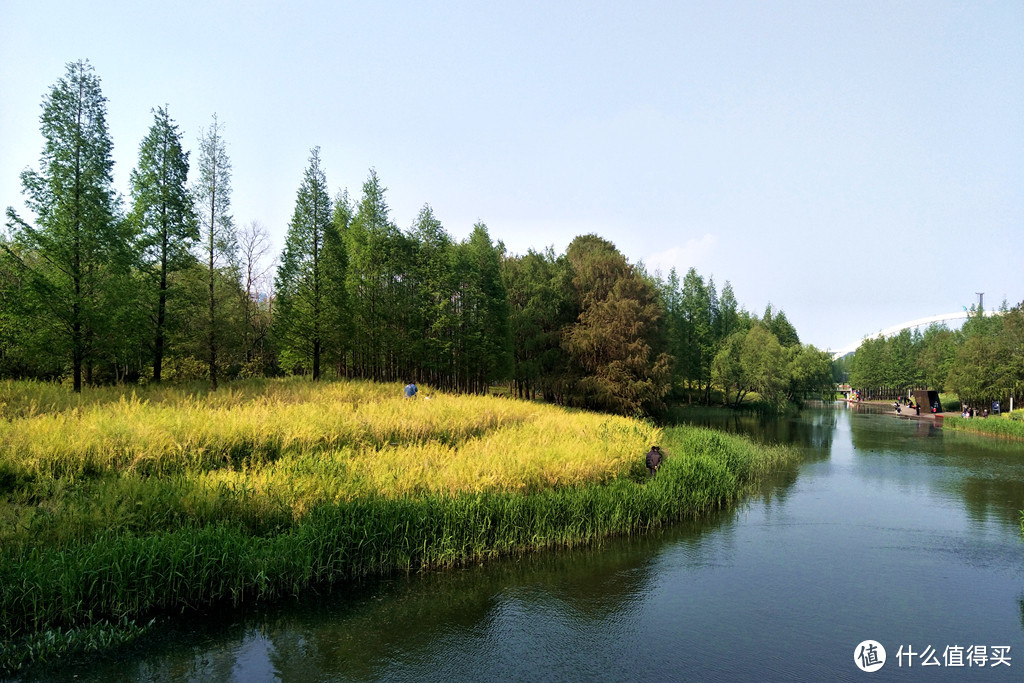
889 530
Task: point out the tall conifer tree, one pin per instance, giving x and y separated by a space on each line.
164 217
213 202
78 248
302 285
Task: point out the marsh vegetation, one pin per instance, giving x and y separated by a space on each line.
118 505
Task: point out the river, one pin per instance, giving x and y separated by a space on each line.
888 530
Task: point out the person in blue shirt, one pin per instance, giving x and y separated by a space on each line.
410 390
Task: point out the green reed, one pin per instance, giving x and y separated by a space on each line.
995 425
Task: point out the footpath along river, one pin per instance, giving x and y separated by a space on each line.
888 530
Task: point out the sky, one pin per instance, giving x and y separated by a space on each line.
855 164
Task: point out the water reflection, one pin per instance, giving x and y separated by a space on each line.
985 473
358 632
813 429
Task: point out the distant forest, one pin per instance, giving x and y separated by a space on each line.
163 286
981 362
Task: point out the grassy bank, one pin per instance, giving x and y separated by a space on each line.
993 425
115 508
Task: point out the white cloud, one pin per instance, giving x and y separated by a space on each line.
696 253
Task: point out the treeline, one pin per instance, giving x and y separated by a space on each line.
170 288
981 362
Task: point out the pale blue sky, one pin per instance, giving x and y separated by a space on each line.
818 155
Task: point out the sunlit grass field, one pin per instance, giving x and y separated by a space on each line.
126 503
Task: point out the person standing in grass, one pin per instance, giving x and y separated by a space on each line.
653 460
411 389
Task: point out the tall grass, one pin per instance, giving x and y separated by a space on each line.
116 507
994 425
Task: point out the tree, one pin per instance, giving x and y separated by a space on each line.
258 287
778 324
616 345
486 351
433 272
301 279
764 364
936 355
809 372
540 307
339 323
727 369
975 375
213 199
730 317
698 342
368 243
74 255
752 360
164 219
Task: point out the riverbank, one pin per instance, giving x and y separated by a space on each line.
993 425
904 411
116 509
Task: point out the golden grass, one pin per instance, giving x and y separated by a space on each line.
281 446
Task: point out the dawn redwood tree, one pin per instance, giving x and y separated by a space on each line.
165 222
373 245
73 256
302 314
433 271
484 313
540 306
339 320
697 344
213 203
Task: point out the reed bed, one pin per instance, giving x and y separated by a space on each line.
123 506
994 425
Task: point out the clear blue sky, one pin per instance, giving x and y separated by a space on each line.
856 164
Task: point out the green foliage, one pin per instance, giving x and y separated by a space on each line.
378 256
779 325
981 363
809 373
753 361
72 265
303 297
165 225
542 306
51 645
615 347
220 243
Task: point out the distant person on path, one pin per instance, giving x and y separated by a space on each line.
410 390
653 460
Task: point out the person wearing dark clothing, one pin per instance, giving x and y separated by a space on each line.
653 460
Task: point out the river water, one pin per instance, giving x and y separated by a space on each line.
888 530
